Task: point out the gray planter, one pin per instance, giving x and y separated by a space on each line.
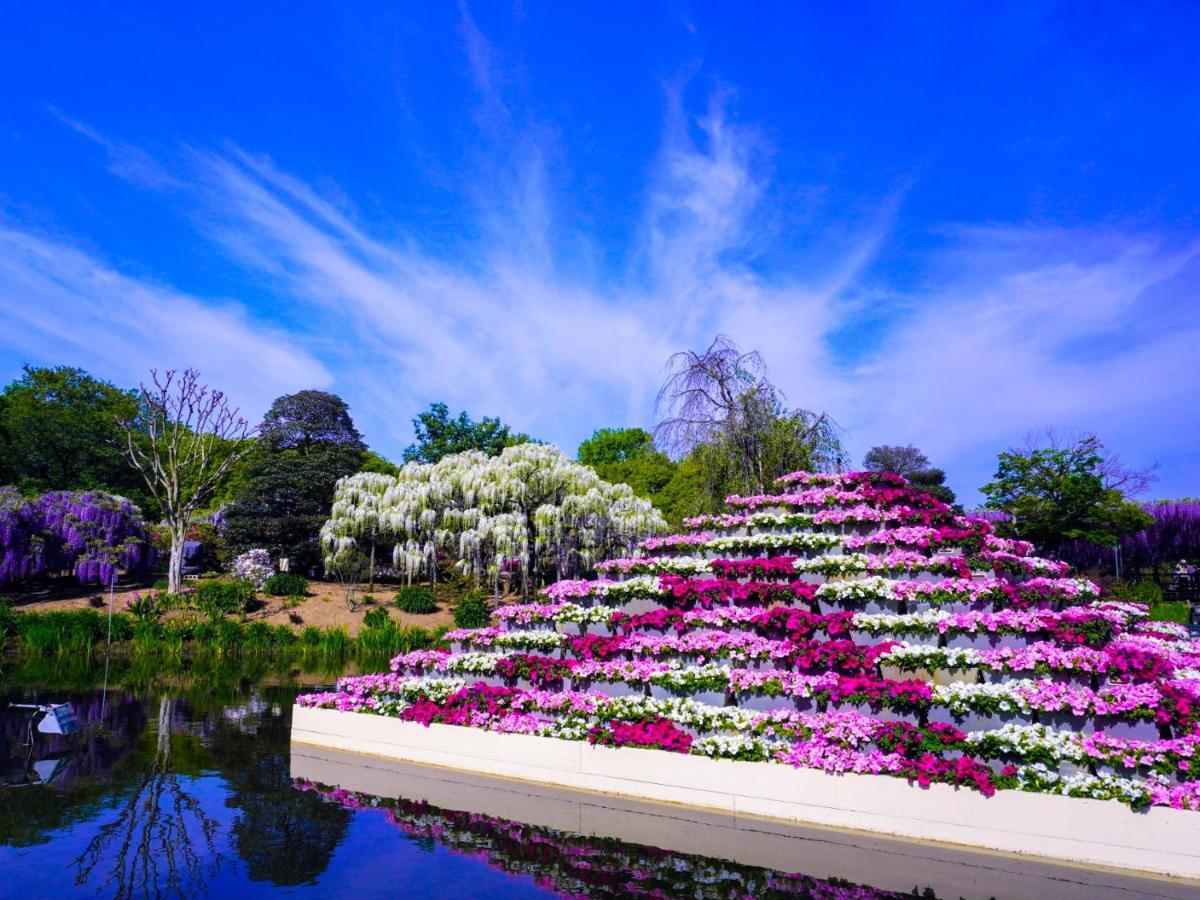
574 628
763 703
972 721
608 688
1133 729
638 605
711 698
986 641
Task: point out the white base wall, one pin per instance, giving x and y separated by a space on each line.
1089 832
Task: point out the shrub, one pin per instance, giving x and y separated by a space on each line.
253 565
145 608
472 611
161 585
415 599
259 636
218 598
310 636
376 618
285 584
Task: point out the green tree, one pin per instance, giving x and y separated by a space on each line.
59 431
719 407
438 435
628 456
913 465
1058 494
307 442
373 462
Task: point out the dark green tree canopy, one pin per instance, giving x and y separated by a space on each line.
59 431
1058 494
309 442
310 418
913 465
438 435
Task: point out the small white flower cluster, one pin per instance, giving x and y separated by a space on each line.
848 564
1039 777
739 746
1021 739
873 588
474 663
253 565
959 696
924 622
527 640
930 656
796 541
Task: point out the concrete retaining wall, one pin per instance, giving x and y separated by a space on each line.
1090 832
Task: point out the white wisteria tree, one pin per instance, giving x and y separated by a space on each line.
530 506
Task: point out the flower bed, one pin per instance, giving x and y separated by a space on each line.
927 648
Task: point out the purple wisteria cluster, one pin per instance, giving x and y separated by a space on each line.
89 534
846 623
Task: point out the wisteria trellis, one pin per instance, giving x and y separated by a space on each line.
846 623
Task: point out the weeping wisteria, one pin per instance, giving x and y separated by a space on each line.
528 509
88 534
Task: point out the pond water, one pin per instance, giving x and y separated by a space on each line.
169 789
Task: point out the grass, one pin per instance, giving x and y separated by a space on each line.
84 633
1171 612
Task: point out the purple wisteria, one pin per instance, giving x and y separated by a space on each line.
89 534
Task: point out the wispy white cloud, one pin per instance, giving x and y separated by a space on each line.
1014 327
61 306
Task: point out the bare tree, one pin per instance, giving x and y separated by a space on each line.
723 396
150 848
184 443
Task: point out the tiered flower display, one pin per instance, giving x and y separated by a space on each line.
846 623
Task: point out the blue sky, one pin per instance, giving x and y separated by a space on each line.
946 224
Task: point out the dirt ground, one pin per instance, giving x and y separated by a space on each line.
325 606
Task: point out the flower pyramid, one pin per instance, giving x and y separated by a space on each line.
845 623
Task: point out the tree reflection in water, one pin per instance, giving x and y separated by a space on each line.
150 848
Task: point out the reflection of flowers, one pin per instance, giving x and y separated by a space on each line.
589 866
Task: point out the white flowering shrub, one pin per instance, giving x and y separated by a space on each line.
253 565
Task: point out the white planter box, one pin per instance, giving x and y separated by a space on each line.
1089 832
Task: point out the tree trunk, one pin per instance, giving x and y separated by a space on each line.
175 568
530 555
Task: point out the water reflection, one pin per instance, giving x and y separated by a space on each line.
590 866
184 783
164 789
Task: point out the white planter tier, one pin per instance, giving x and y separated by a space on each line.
1087 832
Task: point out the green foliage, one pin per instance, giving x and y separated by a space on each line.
285 584
373 462
1144 591
224 596
628 456
308 441
615 445
472 611
310 636
376 618
70 631
438 435
1180 613
415 599
58 431
145 607
1057 494
258 637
